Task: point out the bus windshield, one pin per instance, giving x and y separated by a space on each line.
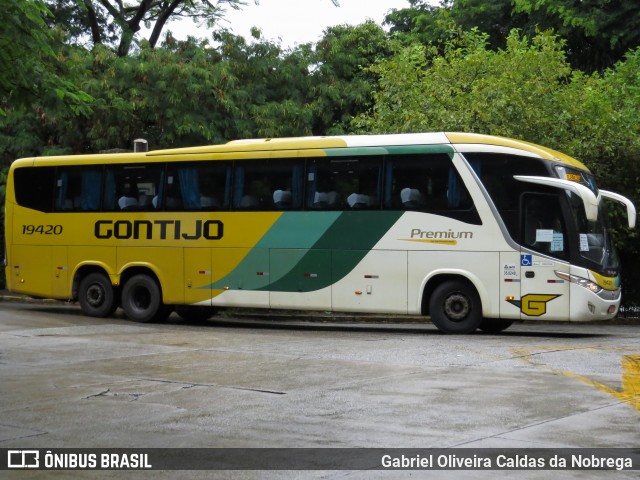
595 243
578 176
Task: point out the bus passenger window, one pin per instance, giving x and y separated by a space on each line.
427 183
78 189
198 186
344 183
269 184
131 187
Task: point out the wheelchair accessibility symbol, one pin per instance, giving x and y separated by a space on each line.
526 260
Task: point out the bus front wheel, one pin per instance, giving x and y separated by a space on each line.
455 307
142 299
96 296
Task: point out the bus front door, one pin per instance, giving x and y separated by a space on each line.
543 295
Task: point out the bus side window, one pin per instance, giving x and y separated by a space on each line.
543 224
198 186
265 185
78 189
34 187
344 183
425 182
132 187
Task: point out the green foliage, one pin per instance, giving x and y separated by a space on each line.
598 32
189 93
30 69
23 44
341 84
116 24
471 88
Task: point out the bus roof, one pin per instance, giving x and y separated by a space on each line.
543 152
247 146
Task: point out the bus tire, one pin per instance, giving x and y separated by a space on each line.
142 299
191 313
455 307
495 325
96 295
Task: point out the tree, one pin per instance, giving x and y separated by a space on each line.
470 87
29 68
181 94
341 82
598 32
23 44
421 22
114 22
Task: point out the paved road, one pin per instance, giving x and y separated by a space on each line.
71 381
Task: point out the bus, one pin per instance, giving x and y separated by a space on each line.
472 231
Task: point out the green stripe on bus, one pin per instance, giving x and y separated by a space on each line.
408 149
355 151
336 253
389 150
298 229
293 230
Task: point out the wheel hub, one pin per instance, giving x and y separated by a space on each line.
95 295
457 307
141 298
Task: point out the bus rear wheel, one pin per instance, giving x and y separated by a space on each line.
455 307
142 300
96 296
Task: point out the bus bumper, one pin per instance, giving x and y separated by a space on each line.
589 306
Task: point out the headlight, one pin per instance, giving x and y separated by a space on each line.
583 282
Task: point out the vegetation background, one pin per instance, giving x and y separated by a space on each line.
77 76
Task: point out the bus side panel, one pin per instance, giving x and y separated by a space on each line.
240 277
60 287
31 270
378 283
165 262
197 276
103 257
481 268
39 270
299 279
510 282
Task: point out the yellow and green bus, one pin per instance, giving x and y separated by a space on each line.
473 231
